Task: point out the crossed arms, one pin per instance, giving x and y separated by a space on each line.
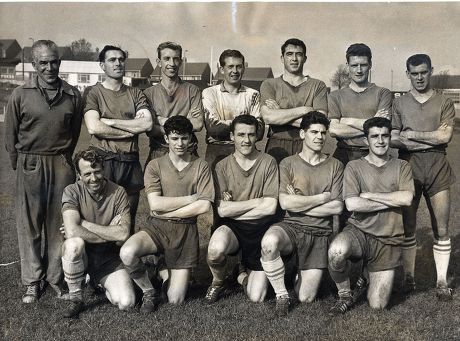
75 226
273 114
176 207
251 209
419 140
349 127
372 202
318 205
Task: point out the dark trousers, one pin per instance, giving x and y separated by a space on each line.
40 181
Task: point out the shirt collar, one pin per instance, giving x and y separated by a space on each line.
33 84
242 88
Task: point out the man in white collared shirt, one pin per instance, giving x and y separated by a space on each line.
223 102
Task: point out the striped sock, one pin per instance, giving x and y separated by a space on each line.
409 252
74 275
275 273
441 253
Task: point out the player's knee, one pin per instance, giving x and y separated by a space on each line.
215 253
128 254
336 256
176 297
256 296
307 297
72 248
269 245
126 302
376 302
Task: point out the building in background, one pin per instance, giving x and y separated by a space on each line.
9 51
252 77
195 73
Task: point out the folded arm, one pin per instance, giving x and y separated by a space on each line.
442 135
325 210
161 204
247 209
392 199
401 142
188 211
142 122
100 129
297 202
340 129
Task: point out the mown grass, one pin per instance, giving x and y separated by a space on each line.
418 317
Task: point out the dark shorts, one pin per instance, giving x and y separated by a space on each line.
126 174
249 235
102 259
282 148
346 155
178 242
310 251
430 169
376 255
217 152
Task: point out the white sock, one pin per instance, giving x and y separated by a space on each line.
275 273
441 253
409 253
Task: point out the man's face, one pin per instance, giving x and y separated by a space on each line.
378 141
233 70
114 64
93 178
46 62
293 59
169 62
245 137
314 137
420 77
358 69
178 143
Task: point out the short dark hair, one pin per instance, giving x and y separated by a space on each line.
295 42
43 43
89 155
169 45
179 125
230 53
110 48
359 49
244 119
379 122
418 59
314 117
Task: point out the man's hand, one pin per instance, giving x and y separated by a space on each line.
293 191
385 113
364 195
161 120
272 104
62 230
107 121
327 196
227 196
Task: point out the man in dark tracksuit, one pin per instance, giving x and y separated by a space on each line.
42 126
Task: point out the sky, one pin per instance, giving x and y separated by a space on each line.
394 31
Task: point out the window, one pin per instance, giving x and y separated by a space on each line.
64 76
7 72
83 78
101 78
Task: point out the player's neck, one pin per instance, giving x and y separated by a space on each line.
231 88
170 82
377 160
422 97
180 161
359 87
294 79
246 161
312 157
112 83
48 86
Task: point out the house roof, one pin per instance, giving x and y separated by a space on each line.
254 73
135 64
6 43
446 81
191 69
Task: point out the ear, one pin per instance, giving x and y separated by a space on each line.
102 65
232 137
366 141
302 134
166 138
407 74
221 69
158 61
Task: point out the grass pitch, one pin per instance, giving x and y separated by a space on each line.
418 317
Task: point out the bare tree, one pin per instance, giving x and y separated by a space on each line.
442 79
340 79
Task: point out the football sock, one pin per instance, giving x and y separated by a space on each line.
138 273
217 268
275 273
441 253
344 288
74 275
409 252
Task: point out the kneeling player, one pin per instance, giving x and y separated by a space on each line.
247 197
179 188
375 188
96 215
311 193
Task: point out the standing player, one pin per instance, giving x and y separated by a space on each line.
351 106
42 126
96 216
310 192
172 97
223 102
179 188
423 122
115 114
375 188
286 99
246 196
